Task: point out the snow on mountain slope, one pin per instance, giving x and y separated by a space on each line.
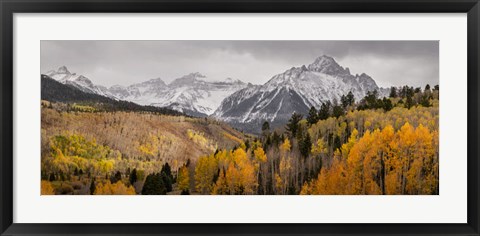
80 82
295 90
191 94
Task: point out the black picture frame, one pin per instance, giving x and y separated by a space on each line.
9 7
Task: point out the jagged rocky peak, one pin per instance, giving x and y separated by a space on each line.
187 79
117 86
327 65
63 70
233 81
157 81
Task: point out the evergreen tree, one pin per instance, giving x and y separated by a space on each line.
312 116
293 124
393 92
167 177
409 103
343 101
275 138
154 185
167 170
387 104
52 177
324 111
167 180
92 187
117 177
133 176
265 127
305 145
247 144
347 100
427 88
425 101
338 111
350 99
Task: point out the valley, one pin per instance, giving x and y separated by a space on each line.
313 129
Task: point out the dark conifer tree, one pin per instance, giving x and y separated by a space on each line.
293 124
338 111
154 185
305 145
92 187
312 117
117 177
393 92
324 111
427 88
387 104
133 176
266 127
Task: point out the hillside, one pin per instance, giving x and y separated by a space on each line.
103 143
54 91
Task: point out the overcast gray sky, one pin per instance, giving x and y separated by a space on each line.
414 63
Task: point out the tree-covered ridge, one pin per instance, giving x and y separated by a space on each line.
373 146
347 148
55 91
84 150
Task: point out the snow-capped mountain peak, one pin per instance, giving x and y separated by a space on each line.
63 70
188 79
327 65
64 76
296 89
192 94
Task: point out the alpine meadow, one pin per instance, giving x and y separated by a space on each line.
239 118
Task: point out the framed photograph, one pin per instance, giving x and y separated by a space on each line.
256 118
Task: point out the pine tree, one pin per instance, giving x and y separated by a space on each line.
293 124
387 104
350 99
52 177
427 88
338 111
425 101
92 187
393 92
312 116
133 176
265 127
154 185
324 111
117 177
306 145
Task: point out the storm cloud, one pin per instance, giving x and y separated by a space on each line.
389 63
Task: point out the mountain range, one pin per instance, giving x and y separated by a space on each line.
295 90
245 106
191 94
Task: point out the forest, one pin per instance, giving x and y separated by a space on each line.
376 146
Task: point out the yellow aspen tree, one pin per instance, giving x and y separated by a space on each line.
46 188
183 179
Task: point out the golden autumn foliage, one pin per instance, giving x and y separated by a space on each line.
47 188
360 152
183 179
117 188
260 155
227 172
383 162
